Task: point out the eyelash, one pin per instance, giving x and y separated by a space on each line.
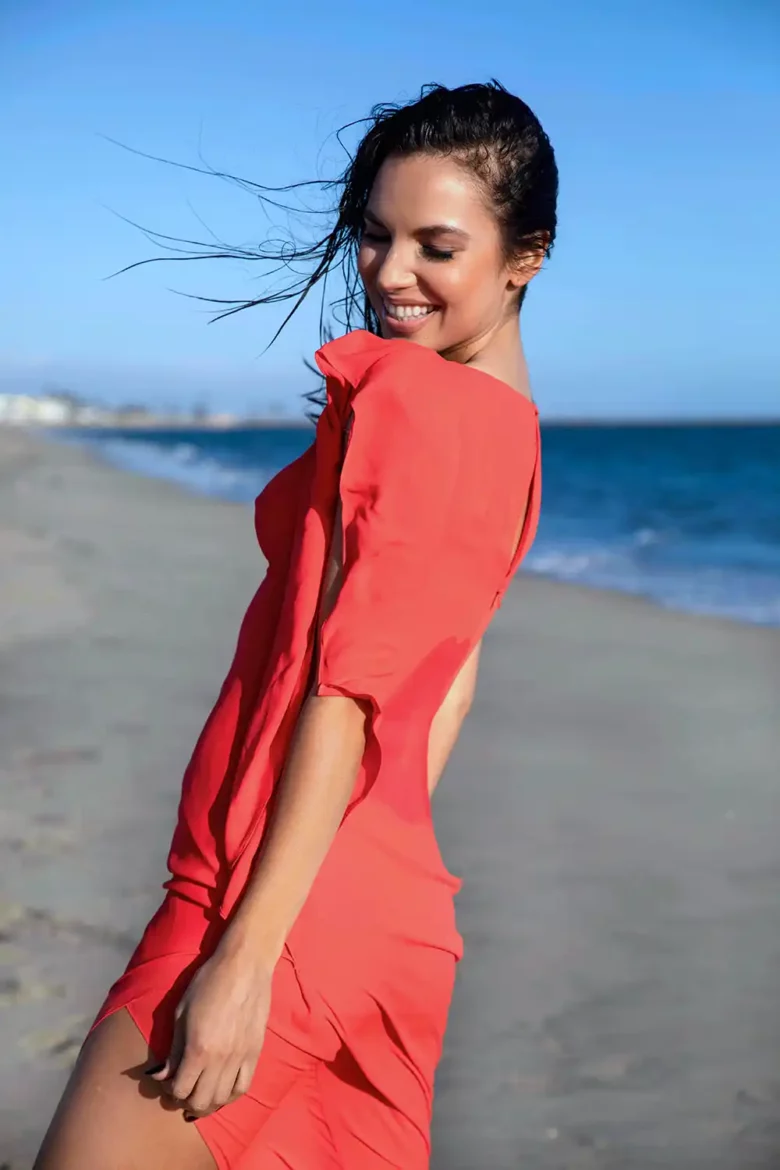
431 252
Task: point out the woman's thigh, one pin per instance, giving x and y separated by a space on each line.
112 1118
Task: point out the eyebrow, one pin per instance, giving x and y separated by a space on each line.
429 230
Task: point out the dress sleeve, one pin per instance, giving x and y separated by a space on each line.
405 593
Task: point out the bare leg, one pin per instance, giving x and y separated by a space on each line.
111 1118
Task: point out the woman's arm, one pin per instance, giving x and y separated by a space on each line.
318 780
321 771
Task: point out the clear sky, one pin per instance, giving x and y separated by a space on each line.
661 297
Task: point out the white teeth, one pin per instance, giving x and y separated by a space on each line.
407 312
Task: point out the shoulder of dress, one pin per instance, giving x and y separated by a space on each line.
348 358
420 382
360 356
390 379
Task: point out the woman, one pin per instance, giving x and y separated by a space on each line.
290 995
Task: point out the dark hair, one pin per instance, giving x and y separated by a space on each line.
489 130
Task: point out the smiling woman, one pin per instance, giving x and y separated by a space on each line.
475 178
441 281
290 995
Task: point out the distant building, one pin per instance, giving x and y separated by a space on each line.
89 416
49 410
55 408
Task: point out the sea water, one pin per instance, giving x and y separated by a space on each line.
688 516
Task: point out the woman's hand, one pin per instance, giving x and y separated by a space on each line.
218 1034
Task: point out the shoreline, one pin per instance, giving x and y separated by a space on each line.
50 435
611 805
301 423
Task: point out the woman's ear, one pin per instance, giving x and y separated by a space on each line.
527 263
524 268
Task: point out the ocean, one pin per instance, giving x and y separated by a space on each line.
686 516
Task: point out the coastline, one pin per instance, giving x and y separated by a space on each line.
611 804
703 546
296 422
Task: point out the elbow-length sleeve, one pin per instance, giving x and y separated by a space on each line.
420 552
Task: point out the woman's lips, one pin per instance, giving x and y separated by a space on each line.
409 320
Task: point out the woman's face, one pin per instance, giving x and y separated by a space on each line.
430 256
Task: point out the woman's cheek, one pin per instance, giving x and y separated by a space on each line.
455 282
366 263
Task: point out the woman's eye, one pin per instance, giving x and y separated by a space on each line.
437 253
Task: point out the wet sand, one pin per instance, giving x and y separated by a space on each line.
612 805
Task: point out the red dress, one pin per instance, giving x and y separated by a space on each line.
441 462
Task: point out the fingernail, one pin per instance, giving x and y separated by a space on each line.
154 1068
190 1117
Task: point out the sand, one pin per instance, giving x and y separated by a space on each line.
612 806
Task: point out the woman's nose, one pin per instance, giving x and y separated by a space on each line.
395 272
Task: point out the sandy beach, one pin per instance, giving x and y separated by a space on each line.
612 806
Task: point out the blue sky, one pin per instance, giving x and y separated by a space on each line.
660 298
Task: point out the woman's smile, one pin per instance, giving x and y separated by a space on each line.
405 318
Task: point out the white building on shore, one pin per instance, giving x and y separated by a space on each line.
48 409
